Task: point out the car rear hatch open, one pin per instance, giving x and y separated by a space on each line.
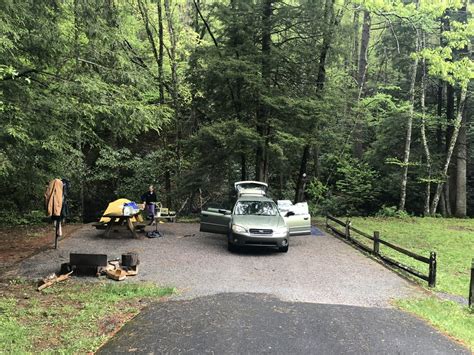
243 188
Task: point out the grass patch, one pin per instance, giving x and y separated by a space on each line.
189 219
447 316
72 317
452 239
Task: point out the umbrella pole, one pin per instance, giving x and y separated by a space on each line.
57 224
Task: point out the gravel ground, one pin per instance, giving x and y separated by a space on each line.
317 269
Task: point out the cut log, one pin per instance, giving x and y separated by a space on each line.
130 259
117 274
132 271
51 281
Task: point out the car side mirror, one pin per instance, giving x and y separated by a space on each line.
289 214
225 212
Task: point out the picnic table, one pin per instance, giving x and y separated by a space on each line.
117 220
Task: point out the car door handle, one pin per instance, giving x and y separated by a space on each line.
306 218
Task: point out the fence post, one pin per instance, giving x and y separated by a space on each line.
376 243
471 286
432 273
348 229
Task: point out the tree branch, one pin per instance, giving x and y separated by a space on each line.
205 23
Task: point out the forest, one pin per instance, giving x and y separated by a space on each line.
360 107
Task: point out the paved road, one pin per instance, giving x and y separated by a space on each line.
320 297
255 324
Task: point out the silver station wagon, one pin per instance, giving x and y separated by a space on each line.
256 220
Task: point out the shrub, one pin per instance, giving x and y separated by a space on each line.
13 218
353 192
392 211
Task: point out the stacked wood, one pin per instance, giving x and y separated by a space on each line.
117 274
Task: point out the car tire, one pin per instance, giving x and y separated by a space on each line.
283 249
231 247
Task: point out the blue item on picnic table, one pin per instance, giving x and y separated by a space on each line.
130 208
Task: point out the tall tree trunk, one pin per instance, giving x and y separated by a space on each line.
330 23
317 162
158 55
261 156
449 185
356 39
329 18
243 167
168 188
214 40
406 157
439 137
461 149
174 82
439 112
79 146
280 190
144 13
361 79
426 148
160 52
461 176
193 66
259 153
161 89
447 197
442 204
449 114
452 143
302 175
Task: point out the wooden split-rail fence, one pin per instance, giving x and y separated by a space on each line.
347 234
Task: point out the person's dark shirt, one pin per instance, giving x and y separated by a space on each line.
149 197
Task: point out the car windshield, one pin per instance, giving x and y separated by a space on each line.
260 208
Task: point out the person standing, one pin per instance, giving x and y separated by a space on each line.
149 199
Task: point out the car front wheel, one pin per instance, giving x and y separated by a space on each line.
231 247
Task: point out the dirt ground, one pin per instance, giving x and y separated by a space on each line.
20 242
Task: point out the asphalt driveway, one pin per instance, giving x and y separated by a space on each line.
255 324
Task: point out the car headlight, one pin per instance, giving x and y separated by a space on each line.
280 232
239 229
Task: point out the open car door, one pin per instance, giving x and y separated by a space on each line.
298 219
215 220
